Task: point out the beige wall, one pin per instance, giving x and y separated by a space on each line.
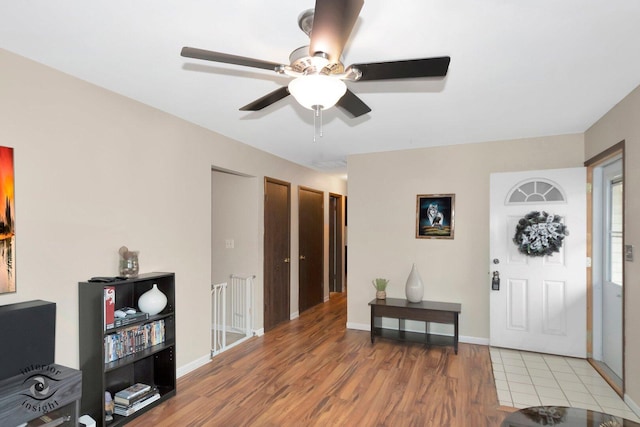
95 171
382 203
234 216
623 123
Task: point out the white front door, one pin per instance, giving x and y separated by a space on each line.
541 302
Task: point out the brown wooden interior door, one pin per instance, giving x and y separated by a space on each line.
277 238
335 243
311 244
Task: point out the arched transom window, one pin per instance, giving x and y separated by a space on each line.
536 191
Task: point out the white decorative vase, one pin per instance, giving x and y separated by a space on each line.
414 288
153 301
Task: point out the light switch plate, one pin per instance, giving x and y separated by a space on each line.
628 253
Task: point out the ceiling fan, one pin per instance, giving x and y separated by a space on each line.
317 71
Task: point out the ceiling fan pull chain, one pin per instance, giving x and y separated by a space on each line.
317 122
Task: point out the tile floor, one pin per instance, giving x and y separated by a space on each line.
532 379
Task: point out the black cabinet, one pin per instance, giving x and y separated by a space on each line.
28 329
40 395
155 365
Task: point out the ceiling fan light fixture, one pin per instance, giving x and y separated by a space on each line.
317 90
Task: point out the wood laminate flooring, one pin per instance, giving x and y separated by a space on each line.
312 371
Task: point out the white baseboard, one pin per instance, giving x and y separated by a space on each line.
359 326
632 405
473 340
258 332
192 366
294 315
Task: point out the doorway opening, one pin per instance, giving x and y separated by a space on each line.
606 279
234 240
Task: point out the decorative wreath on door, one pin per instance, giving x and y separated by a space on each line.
540 234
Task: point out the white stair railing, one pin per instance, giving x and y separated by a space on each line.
231 312
219 317
241 292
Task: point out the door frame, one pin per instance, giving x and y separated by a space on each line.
592 163
336 244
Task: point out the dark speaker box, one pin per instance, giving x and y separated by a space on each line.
28 336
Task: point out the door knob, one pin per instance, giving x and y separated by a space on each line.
286 260
302 257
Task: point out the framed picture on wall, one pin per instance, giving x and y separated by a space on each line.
7 223
435 216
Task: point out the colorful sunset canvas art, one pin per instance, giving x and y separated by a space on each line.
7 222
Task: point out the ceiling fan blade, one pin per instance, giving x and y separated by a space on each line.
267 100
409 69
354 105
333 21
208 55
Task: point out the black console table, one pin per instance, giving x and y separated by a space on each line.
425 311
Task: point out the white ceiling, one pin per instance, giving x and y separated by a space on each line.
519 68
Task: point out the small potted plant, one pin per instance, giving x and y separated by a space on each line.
381 287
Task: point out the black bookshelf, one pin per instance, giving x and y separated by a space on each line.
59 402
155 365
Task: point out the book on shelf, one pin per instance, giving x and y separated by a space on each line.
126 411
125 402
130 340
132 391
109 306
